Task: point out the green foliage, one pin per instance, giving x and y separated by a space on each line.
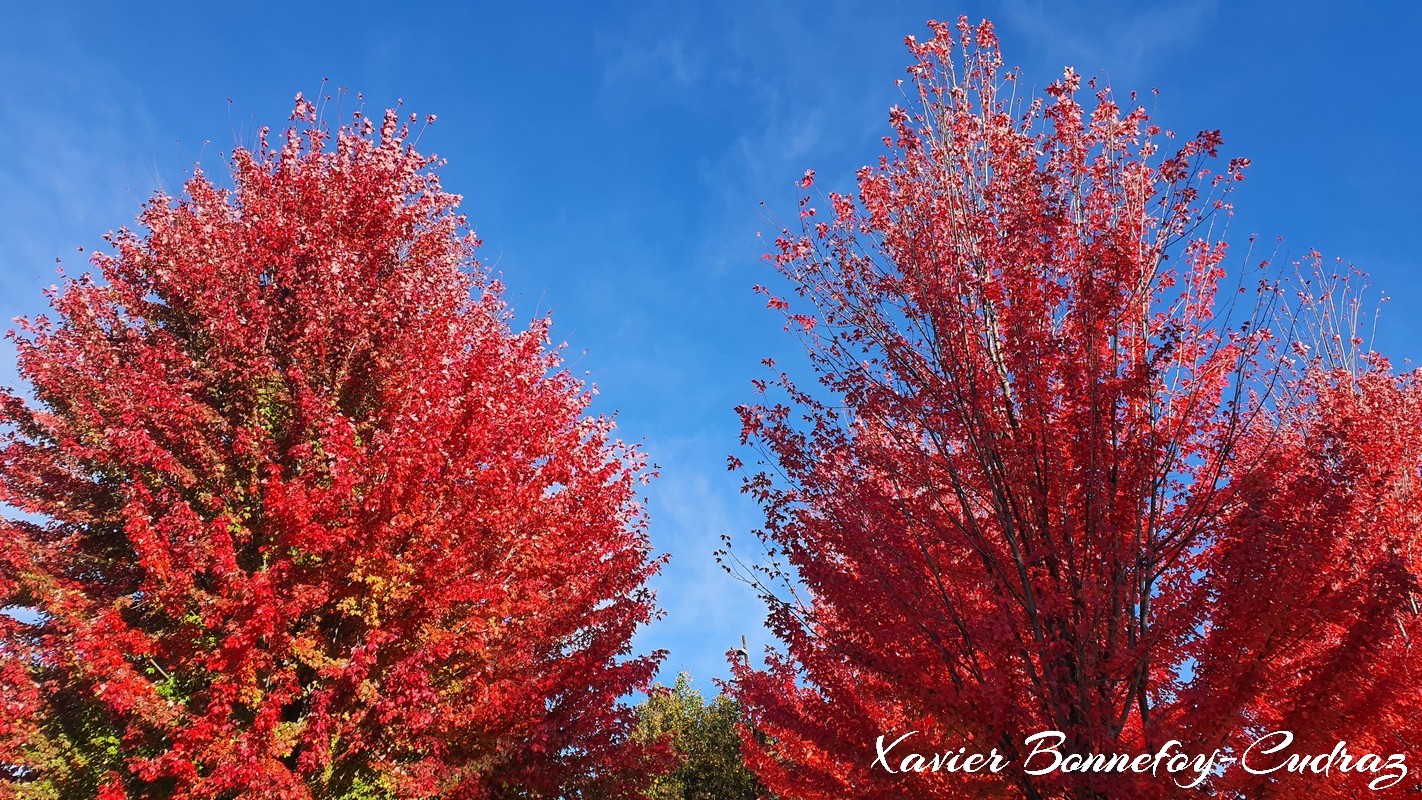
704 740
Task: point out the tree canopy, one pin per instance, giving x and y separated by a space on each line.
1061 470
301 516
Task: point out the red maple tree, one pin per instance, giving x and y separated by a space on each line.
1055 477
302 517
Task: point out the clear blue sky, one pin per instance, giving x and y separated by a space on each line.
613 157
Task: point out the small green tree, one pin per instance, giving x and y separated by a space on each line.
704 741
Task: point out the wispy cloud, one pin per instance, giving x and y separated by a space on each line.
668 60
707 610
69 173
1125 37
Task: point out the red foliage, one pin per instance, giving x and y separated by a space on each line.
303 517
1047 483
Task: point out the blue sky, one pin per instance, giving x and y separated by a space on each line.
614 157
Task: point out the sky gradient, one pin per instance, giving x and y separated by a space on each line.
615 158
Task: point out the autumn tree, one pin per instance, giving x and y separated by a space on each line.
1062 472
297 513
704 742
